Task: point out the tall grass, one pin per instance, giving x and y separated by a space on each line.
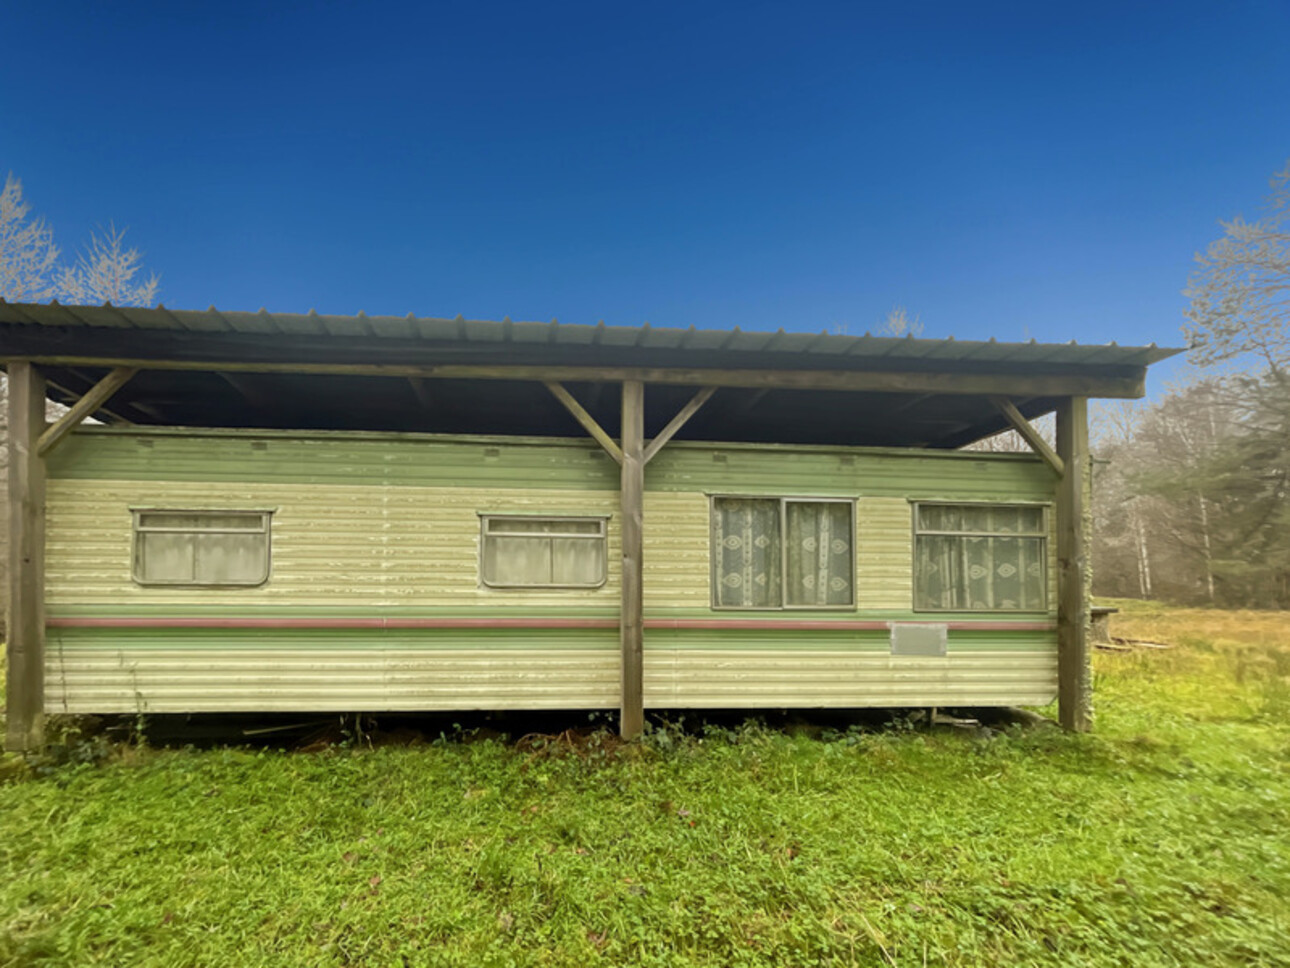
1160 840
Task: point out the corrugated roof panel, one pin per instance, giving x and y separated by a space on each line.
529 332
392 327
782 344
250 323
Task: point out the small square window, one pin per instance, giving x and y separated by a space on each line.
203 548
543 552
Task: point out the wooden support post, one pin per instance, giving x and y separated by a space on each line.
93 400
631 503
25 622
1074 676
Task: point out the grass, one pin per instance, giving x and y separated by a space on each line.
1159 840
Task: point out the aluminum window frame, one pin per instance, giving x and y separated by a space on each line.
138 529
1044 535
783 500
487 517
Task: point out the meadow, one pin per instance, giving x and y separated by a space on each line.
1160 839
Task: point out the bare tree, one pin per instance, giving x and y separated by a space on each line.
105 272
1240 296
27 250
898 323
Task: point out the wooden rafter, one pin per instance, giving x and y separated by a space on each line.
93 400
422 391
1029 434
586 420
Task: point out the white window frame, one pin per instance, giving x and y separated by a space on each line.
1044 535
784 501
486 530
138 528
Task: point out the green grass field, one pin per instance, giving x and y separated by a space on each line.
1162 839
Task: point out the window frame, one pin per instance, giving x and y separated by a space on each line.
137 530
783 500
486 517
1044 535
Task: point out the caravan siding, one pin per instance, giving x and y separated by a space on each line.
374 599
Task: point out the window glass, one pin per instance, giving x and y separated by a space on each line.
201 547
530 552
980 558
781 553
817 560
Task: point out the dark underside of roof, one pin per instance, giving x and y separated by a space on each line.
229 369
345 402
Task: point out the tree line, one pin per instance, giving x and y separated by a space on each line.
1191 495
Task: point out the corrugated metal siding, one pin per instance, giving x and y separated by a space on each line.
271 679
799 678
332 545
335 458
370 525
884 553
428 461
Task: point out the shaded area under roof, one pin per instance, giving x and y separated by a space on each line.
80 337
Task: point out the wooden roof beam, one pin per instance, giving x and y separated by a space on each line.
1029 384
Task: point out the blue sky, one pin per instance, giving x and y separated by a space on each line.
1012 170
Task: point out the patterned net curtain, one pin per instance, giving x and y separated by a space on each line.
814 553
745 544
817 554
980 558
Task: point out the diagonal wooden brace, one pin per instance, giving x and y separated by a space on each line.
98 395
1028 433
677 422
587 421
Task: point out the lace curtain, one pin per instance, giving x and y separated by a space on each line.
809 565
977 558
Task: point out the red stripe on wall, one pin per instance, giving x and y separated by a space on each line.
733 624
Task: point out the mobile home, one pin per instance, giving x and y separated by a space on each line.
302 512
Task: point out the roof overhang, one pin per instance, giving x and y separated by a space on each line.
406 373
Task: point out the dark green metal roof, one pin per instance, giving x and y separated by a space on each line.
786 348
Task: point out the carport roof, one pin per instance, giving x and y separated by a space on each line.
313 371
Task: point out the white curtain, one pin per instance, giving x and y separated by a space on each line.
984 559
818 554
745 543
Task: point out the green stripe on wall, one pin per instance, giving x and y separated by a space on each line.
429 461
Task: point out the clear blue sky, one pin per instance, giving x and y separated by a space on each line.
1015 170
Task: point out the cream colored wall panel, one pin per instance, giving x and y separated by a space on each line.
332 545
884 553
677 563
273 680
711 678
